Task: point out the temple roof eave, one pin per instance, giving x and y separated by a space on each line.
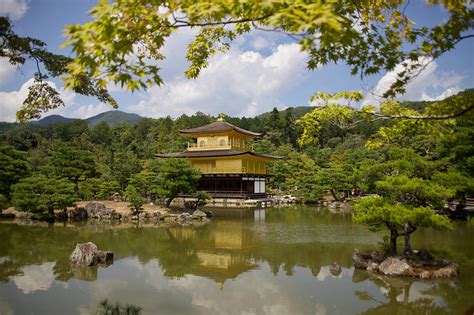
219 127
214 153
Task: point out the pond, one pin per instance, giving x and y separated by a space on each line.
272 261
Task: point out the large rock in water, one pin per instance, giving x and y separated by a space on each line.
360 260
87 254
394 266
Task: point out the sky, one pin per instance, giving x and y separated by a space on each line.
262 70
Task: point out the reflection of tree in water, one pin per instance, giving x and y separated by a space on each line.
400 297
108 308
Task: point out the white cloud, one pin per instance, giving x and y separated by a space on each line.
14 9
86 111
237 83
430 84
35 278
6 71
259 43
10 102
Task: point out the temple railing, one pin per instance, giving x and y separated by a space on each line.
233 170
192 146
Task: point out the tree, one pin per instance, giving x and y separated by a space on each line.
370 36
42 96
409 195
400 219
176 176
72 163
102 133
41 195
335 179
202 197
13 166
135 200
145 184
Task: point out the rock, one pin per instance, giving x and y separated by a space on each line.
85 254
448 271
142 216
374 267
345 207
393 266
424 257
184 217
116 197
335 269
78 213
198 214
98 210
360 260
209 214
170 219
104 257
22 215
377 256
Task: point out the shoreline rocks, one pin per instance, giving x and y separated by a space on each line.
418 265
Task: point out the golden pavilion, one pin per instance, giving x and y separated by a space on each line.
222 154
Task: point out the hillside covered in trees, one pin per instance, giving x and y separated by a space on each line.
98 159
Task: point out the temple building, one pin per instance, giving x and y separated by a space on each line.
229 168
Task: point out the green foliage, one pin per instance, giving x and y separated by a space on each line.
176 176
335 179
202 198
39 194
108 188
108 308
146 184
90 189
409 196
369 36
72 163
380 212
13 166
135 200
328 110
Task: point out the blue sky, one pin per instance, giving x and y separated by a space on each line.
261 71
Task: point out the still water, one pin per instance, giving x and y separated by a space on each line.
272 261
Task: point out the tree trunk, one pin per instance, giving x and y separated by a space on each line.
334 195
393 242
407 230
76 186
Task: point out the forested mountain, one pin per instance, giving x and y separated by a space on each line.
48 120
114 117
102 154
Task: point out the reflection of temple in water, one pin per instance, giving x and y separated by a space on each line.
223 252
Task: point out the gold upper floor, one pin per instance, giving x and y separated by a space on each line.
219 142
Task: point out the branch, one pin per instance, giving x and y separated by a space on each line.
187 24
442 117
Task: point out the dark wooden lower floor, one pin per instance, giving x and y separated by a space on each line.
234 186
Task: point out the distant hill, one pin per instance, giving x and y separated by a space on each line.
48 120
114 117
298 112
